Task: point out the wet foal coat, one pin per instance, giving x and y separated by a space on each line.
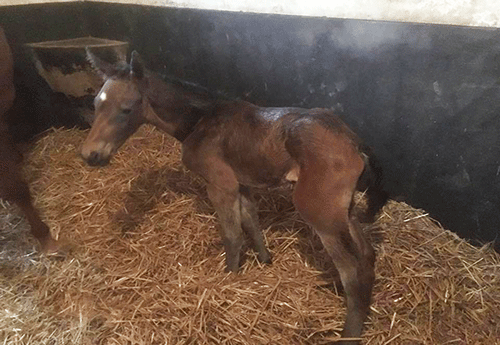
235 145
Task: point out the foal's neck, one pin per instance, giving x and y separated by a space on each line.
177 109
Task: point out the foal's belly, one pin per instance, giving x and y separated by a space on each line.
266 173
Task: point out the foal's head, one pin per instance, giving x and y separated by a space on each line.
120 109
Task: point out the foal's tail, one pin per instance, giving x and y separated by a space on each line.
371 182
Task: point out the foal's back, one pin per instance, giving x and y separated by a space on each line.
265 145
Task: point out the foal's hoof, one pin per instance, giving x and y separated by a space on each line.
231 269
265 258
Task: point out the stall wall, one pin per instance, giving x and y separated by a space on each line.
426 97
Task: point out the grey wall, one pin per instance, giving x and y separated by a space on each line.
425 97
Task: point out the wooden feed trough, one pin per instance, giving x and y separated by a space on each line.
64 66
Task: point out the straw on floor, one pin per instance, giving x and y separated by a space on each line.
147 265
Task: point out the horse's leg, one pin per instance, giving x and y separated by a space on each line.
201 155
16 190
250 224
39 229
323 200
226 202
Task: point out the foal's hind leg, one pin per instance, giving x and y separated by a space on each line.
324 201
250 224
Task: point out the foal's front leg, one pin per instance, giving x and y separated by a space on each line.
226 202
233 209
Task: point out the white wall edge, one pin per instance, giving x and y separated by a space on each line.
478 13
32 2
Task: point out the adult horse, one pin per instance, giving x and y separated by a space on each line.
236 145
13 188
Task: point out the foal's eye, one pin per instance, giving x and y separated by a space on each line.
126 111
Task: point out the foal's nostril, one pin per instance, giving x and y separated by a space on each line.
93 158
96 159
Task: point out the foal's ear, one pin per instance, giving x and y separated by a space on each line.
102 66
137 65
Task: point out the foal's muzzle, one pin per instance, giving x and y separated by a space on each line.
94 158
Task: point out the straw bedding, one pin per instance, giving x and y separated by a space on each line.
147 265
